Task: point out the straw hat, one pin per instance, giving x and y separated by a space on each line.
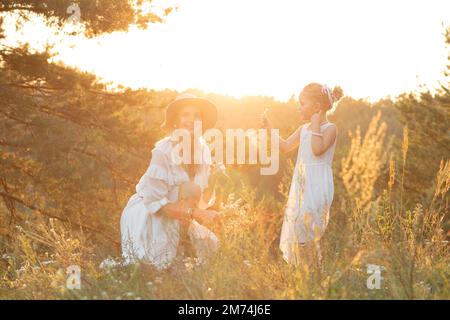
207 108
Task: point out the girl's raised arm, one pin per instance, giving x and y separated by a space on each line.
291 142
285 145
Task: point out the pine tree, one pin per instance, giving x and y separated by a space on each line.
69 149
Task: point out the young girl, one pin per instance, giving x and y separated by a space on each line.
311 192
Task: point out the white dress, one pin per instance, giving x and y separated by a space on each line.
148 235
310 196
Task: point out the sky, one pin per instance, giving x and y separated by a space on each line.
371 48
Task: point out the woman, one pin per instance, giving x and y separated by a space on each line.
154 217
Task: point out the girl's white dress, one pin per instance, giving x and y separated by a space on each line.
146 234
310 196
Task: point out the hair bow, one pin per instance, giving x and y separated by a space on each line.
327 91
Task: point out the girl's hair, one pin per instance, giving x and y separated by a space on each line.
317 93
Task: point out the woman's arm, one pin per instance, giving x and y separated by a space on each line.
176 211
185 214
154 189
154 186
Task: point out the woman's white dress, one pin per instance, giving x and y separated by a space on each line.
148 235
310 196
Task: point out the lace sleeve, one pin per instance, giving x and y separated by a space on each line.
153 187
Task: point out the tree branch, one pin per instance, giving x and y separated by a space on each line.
48 214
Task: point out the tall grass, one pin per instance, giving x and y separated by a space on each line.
369 225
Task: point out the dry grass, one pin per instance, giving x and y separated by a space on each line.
368 226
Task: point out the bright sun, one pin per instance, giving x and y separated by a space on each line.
370 48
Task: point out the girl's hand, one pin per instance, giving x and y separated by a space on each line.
265 122
316 117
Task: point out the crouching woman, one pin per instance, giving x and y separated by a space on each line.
154 217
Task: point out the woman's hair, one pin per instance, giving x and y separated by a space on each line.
318 93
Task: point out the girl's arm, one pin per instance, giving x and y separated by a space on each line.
285 145
291 142
321 142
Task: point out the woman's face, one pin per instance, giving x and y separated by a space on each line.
187 116
307 107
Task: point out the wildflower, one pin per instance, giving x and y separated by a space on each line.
199 261
21 270
189 264
44 263
109 263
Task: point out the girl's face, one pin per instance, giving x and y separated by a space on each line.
307 107
187 116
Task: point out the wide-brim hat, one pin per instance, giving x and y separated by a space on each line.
207 109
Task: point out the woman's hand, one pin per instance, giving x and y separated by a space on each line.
183 215
207 217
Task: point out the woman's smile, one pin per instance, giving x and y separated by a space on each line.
187 116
